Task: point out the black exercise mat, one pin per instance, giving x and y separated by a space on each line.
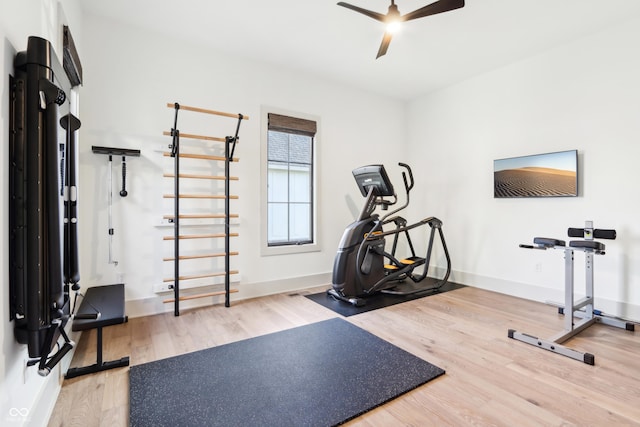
381 300
321 374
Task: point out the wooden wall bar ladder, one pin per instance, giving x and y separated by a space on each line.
230 145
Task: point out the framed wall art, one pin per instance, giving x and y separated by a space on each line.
539 175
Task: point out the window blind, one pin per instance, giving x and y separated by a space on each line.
295 125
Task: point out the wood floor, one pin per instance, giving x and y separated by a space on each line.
490 380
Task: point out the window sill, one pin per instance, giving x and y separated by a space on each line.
289 249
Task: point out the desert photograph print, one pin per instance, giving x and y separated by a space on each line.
540 175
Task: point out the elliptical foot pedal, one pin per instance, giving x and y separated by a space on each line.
412 260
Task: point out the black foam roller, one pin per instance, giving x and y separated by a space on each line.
576 232
604 234
597 233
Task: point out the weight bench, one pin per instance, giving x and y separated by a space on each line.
582 309
101 306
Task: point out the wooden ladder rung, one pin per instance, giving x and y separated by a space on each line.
202 110
198 196
200 216
207 294
200 236
200 156
196 176
200 276
194 136
181 257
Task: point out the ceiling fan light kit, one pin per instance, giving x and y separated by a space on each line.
393 18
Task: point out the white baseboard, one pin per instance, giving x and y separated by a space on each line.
620 309
155 305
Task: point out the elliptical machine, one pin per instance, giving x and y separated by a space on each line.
362 266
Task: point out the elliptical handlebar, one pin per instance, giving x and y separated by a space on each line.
407 186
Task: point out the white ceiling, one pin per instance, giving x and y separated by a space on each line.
318 37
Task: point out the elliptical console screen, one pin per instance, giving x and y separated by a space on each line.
373 176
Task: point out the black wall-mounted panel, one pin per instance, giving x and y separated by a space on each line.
38 298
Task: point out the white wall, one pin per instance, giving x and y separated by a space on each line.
583 95
131 75
25 397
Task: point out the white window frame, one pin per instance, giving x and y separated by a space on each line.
265 249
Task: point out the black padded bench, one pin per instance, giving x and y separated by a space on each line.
588 245
101 306
547 242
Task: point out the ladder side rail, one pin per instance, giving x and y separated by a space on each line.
175 153
227 228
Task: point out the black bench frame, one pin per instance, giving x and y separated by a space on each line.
101 306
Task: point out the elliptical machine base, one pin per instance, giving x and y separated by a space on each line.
357 302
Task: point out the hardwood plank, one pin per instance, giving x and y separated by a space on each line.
116 389
118 416
81 398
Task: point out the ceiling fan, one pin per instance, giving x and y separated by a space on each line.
393 17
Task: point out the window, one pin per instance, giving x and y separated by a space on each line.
289 182
289 145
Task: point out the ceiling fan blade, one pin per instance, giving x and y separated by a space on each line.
433 9
375 15
384 45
